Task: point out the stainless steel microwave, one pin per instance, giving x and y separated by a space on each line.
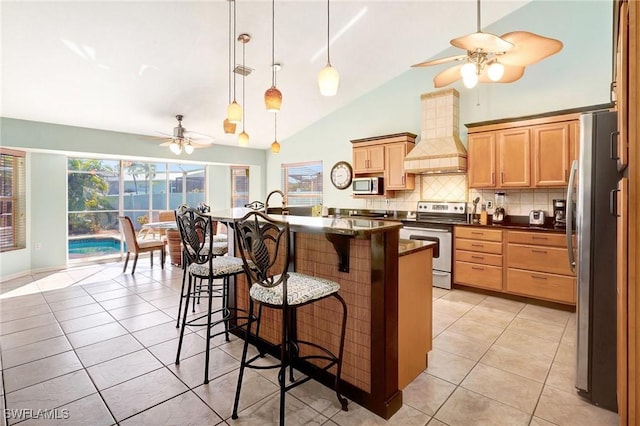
368 186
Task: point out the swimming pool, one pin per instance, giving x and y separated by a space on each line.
93 246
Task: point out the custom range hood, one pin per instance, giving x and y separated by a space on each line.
440 149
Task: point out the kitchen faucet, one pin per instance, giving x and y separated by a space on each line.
285 210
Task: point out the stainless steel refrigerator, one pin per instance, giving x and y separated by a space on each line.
595 258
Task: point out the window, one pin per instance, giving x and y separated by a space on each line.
12 200
302 183
101 190
239 186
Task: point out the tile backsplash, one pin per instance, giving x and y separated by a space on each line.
454 187
519 202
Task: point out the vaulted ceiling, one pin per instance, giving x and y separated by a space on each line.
132 66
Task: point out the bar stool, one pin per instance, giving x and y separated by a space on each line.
202 263
264 244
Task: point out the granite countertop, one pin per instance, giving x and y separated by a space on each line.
406 247
358 227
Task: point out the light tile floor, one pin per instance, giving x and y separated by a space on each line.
93 346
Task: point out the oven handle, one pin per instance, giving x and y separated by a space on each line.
439 230
436 249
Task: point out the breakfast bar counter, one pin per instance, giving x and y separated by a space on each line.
364 257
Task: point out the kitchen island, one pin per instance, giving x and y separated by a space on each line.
364 257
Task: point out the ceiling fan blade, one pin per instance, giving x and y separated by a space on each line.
511 74
485 42
200 144
167 143
529 48
447 76
440 61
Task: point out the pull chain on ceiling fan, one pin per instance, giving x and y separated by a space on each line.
490 58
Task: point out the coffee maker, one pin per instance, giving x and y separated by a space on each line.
560 213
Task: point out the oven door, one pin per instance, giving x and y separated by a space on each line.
442 263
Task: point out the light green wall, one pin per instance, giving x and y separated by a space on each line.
579 75
48 146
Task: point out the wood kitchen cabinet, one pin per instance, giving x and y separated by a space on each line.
395 176
538 266
552 150
384 156
478 257
368 159
526 153
482 169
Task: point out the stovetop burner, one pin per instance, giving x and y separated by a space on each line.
441 212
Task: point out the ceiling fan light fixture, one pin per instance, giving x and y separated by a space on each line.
188 148
468 70
175 147
470 80
495 71
243 138
328 81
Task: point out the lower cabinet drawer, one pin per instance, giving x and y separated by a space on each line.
477 245
476 257
540 285
538 258
478 275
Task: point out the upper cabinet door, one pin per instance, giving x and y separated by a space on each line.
368 159
376 158
481 154
514 158
360 159
551 152
395 177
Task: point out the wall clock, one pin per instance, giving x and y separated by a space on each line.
341 175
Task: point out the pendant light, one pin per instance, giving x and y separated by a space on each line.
328 77
234 110
229 127
243 138
275 146
273 96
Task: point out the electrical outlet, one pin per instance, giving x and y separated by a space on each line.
489 204
38 246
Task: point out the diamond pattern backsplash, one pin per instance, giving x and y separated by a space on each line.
444 187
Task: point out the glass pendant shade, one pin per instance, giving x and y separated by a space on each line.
328 81
468 70
470 81
275 147
234 112
243 138
495 71
175 147
229 127
272 99
188 148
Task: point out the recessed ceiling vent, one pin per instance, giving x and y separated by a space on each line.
242 70
440 149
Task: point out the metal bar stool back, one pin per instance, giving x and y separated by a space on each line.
264 244
201 263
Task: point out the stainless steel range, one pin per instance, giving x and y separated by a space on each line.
434 221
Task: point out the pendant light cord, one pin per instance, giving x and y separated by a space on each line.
229 56
273 43
328 44
234 50
243 104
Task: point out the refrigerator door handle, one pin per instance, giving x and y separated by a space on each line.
613 202
613 145
570 215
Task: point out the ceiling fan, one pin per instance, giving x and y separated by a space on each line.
490 58
183 139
